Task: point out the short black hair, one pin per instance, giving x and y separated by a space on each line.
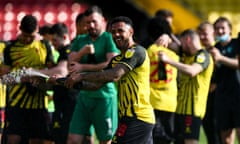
163 13
124 19
28 24
45 29
93 9
158 26
60 29
79 17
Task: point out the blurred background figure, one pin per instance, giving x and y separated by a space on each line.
64 99
3 91
168 16
163 91
195 71
80 24
207 38
44 32
26 112
227 79
165 14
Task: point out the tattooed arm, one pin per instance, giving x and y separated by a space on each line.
96 79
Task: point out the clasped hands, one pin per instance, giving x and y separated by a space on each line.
69 81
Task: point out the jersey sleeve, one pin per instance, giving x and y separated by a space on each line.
50 57
203 58
134 57
63 53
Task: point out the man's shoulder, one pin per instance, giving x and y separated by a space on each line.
137 51
81 36
106 35
2 45
140 48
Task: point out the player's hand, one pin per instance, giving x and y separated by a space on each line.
72 56
88 49
73 79
163 57
217 56
163 40
53 79
4 69
34 80
74 67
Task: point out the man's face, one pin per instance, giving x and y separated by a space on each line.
81 26
222 28
26 38
206 36
121 34
169 19
186 45
95 24
57 41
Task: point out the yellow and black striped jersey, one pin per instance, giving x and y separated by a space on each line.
133 87
37 55
193 91
2 87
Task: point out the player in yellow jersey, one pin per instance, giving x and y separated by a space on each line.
207 38
130 70
2 94
25 111
195 69
163 92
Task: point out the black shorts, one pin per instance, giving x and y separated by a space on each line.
133 131
228 117
61 120
164 127
27 123
186 127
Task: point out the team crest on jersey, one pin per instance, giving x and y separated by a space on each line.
201 58
68 51
129 53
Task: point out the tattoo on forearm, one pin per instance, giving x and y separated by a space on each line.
90 85
108 75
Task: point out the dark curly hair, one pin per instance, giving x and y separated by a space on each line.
60 29
158 26
124 19
28 24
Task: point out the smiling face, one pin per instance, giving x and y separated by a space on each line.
121 33
222 28
206 35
